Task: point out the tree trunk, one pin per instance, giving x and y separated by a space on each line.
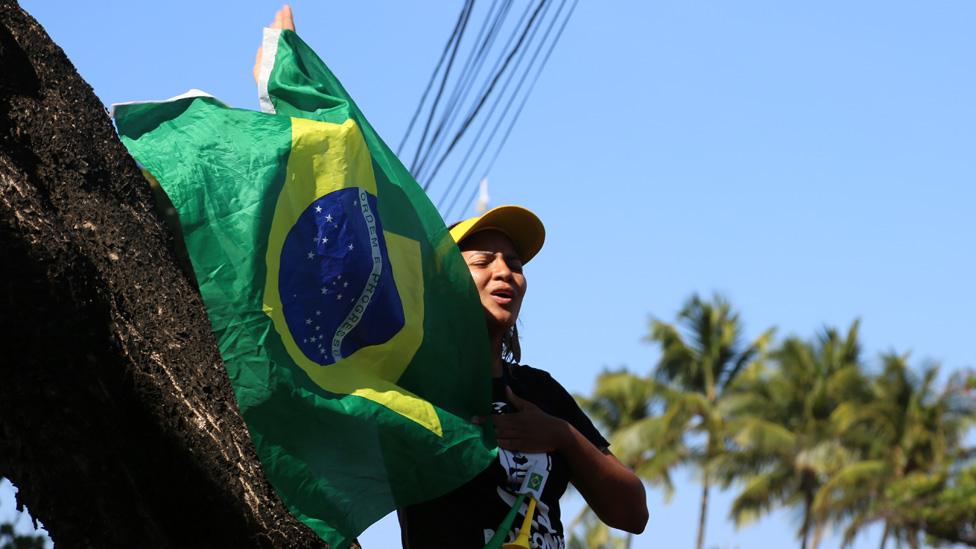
807 513
117 420
703 512
818 532
884 536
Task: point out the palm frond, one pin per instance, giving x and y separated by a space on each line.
854 481
760 494
754 434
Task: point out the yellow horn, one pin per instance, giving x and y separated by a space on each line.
522 541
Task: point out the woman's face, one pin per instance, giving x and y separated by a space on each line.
497 272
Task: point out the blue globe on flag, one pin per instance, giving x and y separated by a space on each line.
336 281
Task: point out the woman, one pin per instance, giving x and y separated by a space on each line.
540 427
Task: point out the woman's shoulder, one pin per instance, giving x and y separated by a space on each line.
554 399
529 373
537 378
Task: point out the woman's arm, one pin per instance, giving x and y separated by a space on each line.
611 489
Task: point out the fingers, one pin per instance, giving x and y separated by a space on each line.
287 20
509 436
507 432
506 424
522 445
531 430
520 403
512 427
512 397
257 66
283 19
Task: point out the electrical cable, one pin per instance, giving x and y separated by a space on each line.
512 39
475 144
430 83
505 110
465 14
525 98
535 79
455 90
491 86
465 82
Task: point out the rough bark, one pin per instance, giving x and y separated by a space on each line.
117 420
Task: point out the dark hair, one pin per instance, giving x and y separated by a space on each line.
511 350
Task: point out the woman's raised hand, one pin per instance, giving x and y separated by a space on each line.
283 19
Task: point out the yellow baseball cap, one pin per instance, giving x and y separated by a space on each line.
519 224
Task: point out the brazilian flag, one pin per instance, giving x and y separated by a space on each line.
346 318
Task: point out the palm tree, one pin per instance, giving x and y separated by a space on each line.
621 404
594 533
781 442
909 434
700 358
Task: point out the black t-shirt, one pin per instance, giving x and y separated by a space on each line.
468 516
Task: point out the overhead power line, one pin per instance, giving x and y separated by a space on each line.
529 27
525 99
474 98
511 100
471 69
516 40
433 77
465 15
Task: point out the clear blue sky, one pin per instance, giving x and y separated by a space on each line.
812 161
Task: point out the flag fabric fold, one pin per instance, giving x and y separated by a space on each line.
346 318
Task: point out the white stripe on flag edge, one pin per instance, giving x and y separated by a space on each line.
185 95
269 50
